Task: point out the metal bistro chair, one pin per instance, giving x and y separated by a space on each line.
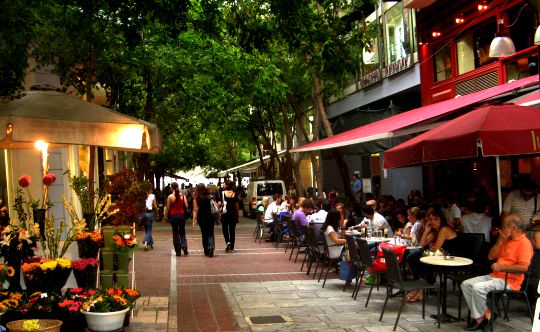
297 240
259 227
367 262
332 262
284 221
395 280
309 248
355 259
506 294
278 230
316 249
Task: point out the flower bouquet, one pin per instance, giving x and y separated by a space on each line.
124 242
89 244
42 274
85 271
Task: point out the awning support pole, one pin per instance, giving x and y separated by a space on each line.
499 195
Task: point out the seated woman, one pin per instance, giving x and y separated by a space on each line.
412 215
437 235
330 229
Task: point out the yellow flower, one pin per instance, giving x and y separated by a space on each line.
50 265
16 296
63 263
10 271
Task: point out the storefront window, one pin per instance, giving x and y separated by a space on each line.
396 34
370 54
443 63
473 48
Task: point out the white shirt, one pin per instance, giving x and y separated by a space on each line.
378 221
318 217
333 249
477 223
452 213
150 202
416 229
270 211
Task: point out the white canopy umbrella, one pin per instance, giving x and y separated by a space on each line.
60 119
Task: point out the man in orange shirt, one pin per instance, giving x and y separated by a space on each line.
513 252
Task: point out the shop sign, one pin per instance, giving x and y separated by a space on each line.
400 65
370 78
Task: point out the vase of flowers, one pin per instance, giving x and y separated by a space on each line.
107 310
85 271
88 244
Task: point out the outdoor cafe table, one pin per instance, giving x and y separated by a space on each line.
443 265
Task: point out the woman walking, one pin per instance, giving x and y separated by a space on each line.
175 211
230 218
148 218
202 214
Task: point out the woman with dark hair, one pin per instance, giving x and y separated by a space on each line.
437 234
330 228
175 210
202 214
230 218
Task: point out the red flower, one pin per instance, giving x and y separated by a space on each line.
48 179
24 181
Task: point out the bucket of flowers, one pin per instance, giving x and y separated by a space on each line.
43 274
89 244
85 271
105 310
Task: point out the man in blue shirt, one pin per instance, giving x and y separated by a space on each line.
357 189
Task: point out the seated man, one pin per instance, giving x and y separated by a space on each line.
273 208
375 220
299 217
513 252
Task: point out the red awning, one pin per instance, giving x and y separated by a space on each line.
530 99
393 126
499 130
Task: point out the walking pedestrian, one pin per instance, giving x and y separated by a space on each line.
148 218
202 214
175 211
230 218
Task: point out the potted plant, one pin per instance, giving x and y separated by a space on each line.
106 310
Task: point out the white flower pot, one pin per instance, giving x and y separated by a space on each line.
105 321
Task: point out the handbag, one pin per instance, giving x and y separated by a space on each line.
224 205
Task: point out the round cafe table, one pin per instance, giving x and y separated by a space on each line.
442 265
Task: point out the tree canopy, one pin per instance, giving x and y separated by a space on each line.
220 78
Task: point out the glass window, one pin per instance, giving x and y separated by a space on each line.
370 53
269 188
443 63
397 43
473 48
84 156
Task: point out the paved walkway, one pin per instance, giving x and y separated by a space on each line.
230 292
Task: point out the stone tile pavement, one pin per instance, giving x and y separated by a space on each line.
223 293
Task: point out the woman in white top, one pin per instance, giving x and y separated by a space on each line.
148 218
330 227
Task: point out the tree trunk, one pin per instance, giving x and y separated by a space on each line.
342 166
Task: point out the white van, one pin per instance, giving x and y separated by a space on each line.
259 188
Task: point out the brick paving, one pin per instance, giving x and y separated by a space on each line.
197 293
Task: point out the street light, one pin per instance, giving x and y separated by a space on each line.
501 46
